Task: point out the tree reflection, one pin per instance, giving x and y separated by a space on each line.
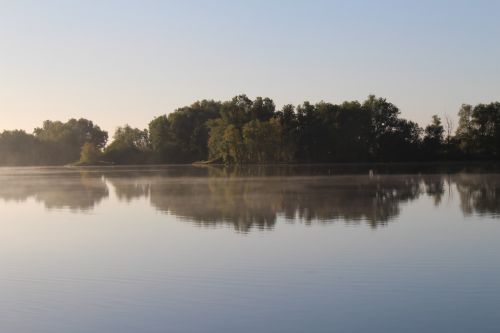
76 192
257 197
479 194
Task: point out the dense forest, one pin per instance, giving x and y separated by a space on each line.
254 131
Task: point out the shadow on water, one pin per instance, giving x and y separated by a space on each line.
254 197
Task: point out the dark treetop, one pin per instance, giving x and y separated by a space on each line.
245 131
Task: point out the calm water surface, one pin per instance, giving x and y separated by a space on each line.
277 249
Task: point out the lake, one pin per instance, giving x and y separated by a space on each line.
256 249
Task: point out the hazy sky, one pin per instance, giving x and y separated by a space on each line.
118 62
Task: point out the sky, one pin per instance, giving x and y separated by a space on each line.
126 62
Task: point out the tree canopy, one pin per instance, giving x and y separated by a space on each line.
243 130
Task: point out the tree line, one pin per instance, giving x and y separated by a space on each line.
242 131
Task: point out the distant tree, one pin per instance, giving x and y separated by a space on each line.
384 123
486 122
449 127
182 136
19 148
262 141
466 132
402 143
73 132
129 146
90 154
354 138
262 109
66 139
217 147
242 130
310 133
433 139
435 130
239 117
289 132
478 132
233 140
161 138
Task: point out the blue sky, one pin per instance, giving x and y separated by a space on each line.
118 62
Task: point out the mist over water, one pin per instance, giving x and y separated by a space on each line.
275 249
253 197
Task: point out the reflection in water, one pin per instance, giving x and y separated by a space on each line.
138 264
478 194
248 202
77 192
254 197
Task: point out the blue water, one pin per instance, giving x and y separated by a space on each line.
184 249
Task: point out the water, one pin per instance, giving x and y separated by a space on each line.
275 249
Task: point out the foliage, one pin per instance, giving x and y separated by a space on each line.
65 140
478 131
19 148
90 154
242 130
129 146
54 143
182 136
433 139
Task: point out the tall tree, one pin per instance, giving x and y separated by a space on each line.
67 139
433 138
129 146
20 148
182 136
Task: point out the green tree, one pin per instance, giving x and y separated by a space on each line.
353 136
486 124
466 132
289 132
309 132
402 143
384 122
129 146
161 138
20 148
234 143
66 139
182 136
263 141
433 138
237 112
90 154
262 109
227 134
